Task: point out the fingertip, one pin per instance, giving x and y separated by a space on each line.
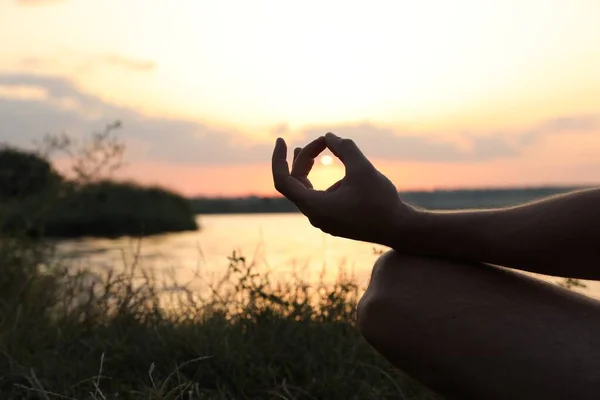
331 139
282 144
280 150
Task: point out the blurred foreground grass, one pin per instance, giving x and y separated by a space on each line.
66 335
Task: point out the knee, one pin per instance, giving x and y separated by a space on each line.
401 286
387 265
376 302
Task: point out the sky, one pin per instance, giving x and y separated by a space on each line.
437 94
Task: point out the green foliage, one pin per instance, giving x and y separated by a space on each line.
122 334
24 174
113 209
36 200
29 188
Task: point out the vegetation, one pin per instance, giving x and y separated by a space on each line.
117 209
24 174
66 335
435 200
242 205
34 195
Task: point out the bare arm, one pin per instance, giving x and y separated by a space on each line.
558 236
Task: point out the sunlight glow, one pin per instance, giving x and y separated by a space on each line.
483 79
326 160
259 64
322 177
22 92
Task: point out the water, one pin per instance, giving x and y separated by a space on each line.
283 244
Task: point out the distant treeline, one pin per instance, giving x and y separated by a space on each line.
434 200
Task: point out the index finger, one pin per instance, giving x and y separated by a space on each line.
279 164
306 158
285 184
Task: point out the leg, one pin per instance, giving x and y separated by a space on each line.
474 331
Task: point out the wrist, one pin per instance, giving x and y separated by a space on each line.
464 235
409 226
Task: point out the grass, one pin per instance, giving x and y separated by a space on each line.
67 335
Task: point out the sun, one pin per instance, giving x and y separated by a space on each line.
326 160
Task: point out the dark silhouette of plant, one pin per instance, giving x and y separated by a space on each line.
24 174
93 159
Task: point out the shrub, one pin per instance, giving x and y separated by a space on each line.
116 209
24 174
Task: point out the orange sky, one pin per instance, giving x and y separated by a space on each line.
438 94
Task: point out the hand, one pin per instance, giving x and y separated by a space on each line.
364 205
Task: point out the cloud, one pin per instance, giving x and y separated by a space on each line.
128 63
83 62
280 129
65 107
562 125
385 143
33 62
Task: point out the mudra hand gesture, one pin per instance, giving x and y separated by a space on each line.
364 205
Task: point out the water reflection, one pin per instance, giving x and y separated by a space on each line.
285 245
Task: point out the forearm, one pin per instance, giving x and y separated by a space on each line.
556 236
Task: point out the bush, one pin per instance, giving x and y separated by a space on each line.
36 201
116 209
24 174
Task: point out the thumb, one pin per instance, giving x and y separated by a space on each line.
346 150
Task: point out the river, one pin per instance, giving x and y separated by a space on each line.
285 245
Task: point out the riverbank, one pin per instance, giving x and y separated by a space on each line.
133 337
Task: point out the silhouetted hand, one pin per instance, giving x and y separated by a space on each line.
364 205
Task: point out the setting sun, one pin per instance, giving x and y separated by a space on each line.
326 160
323 176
